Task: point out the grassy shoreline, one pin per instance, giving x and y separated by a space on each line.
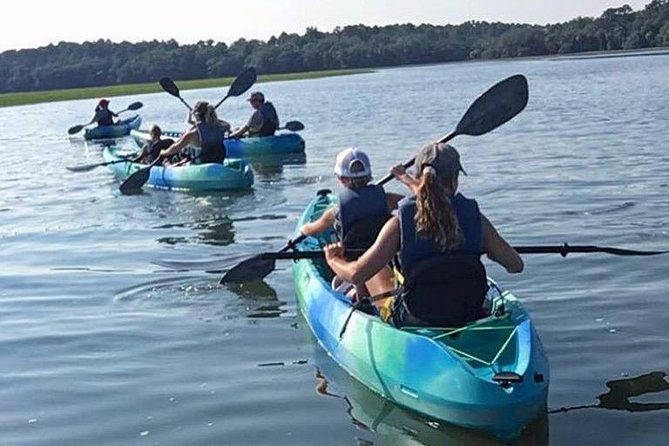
36 97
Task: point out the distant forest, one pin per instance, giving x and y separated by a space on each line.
102 63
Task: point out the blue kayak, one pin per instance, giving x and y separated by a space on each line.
279 144
232 174
491 374
122 128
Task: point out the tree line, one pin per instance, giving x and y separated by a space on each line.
102 63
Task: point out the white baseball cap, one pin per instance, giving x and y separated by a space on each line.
352 163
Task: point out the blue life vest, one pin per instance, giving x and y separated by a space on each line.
270 120
211 143
443 288
362 213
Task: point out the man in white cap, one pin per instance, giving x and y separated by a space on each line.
363 210
263 122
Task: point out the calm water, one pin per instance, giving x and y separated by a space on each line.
100 346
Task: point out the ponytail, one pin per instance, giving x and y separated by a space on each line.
210 116
435 216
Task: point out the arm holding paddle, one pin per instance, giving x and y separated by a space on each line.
498 250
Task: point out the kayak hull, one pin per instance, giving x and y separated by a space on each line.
123 128
279 144
233 174
444 377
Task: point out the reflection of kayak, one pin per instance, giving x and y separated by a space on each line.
232 174
398 426
114 131
279 144
491 374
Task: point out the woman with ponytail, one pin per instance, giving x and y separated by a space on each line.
439 236
207 133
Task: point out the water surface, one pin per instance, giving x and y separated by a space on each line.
100 346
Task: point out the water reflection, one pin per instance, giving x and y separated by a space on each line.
262 299
383 422
270 167
621 390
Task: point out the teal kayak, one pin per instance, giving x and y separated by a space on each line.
491 374
279 144
232 174
122 128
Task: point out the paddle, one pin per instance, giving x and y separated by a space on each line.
493 108
169 86
88 167
497 105
253 267
77 128
293 126
243 82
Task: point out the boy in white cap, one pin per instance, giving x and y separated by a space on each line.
362 211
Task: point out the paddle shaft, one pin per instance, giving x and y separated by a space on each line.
548 249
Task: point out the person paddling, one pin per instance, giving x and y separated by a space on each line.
362 211
439 236
151 149
207 133
263 122
102 115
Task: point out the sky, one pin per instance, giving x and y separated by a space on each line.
30 23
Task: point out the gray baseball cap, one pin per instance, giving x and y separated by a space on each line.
442 157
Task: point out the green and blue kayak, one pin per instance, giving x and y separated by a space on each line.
279 144
491 374
122 128
232 174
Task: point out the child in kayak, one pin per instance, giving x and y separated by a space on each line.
362 211
439 236
151 149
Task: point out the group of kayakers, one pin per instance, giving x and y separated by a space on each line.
432 240
207 131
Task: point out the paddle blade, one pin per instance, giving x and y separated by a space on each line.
500 103
135 106
254 268
133 184
75 129
169 86
85 168
294 126
243 82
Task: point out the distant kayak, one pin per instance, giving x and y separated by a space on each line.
492 374
279 144
232 174
123 128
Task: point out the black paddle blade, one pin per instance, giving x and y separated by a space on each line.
169 86
294 126
243 82
133 184
75 129
255 268
135 106
500 103
85 168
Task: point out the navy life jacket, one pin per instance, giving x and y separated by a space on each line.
211 143
104 117
443 288
270 120
362 214
156 147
